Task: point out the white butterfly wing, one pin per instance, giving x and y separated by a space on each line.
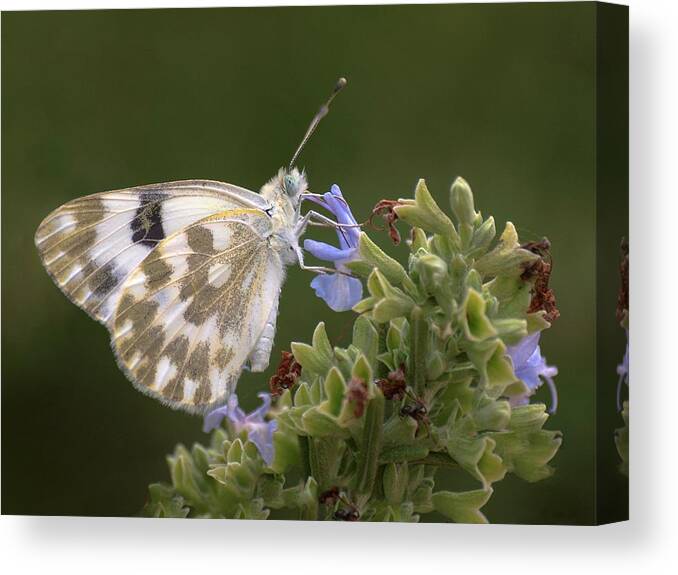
190 315
90 245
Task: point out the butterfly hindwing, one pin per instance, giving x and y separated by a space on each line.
191 313
90 245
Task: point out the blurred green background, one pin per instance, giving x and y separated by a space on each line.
99 100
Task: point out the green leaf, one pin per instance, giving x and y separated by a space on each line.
310 359
374 255
235 452
185 477
363 371
477 326
475 453
270 490
527 449
511 331
391 308
403 453
286 452
499 371
302 396
366 339
365 305
462 507
335 388
491 414
536 322
164 502
399 431
360 268
200 457
321 343
396 480
394 337
318 423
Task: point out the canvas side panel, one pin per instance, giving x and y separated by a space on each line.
612 229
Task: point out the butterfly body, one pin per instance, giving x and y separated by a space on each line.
185 275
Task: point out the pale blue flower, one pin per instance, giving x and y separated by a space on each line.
340 291
259 431
530 367
623 372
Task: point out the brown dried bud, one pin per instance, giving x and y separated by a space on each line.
286 375
395 384
543 298
357 394
330 496
384 209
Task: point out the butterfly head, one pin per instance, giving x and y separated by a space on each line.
285 188
294 184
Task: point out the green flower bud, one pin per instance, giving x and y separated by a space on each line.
432 272
424 213
375 256
484 235
419 240
508 258
461 201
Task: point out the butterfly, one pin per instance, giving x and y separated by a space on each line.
185 275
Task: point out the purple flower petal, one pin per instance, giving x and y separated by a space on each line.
213 418
260 412
523 351
261 434
529 377
259 431
348 237
339 291
326 252
530 367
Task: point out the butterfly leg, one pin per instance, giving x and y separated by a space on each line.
314 218
261 354
317 269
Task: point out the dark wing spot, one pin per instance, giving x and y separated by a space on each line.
147 223
104 280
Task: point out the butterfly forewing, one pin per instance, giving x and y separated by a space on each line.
91 245
191 313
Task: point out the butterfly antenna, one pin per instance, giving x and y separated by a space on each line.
341 83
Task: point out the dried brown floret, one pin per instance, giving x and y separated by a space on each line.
385 209
393 386
357 394
543 298
286 375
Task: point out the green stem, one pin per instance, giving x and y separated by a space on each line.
370 447
419 346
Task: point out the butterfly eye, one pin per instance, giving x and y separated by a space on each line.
291 185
